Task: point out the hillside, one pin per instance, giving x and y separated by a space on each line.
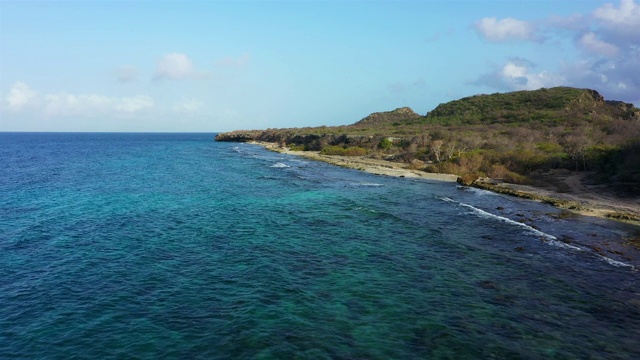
520 137
556 106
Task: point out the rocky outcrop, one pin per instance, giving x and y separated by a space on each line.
627 111
387 117
468 179
238 136
313 141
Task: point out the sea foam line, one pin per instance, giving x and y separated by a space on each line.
616 262
279 165
549 239
477 191
365 184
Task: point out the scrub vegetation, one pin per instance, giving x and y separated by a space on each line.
514 136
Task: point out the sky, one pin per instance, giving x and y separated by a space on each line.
210 66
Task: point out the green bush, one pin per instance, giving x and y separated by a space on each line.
342 151
295 147
549 147
385 144
355 151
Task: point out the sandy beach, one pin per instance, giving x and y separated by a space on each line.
589 200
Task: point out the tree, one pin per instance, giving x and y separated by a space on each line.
575 145
450 149
436 148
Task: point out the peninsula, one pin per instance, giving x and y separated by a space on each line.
565 146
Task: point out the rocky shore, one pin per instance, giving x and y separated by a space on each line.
573 196
363 163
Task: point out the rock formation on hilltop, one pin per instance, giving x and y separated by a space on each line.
389 117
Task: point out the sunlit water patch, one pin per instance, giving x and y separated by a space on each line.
174 246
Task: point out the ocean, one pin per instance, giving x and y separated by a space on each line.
147 246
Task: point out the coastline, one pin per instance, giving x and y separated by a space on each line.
587 202
373 166
581 199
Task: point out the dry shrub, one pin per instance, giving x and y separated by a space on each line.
516 178
497 171
448 167
468 179
355 151
339 150
470 163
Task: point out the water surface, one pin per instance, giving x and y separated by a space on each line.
175 246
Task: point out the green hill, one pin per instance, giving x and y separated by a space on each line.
514 136
554 106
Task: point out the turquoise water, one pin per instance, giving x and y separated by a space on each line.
174 246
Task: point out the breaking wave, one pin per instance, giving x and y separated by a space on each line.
547 238
364 184
280 165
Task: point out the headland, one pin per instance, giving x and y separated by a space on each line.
567 147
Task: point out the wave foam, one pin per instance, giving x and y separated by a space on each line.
280 165
366 184
477 191
616 262
549 239
552 240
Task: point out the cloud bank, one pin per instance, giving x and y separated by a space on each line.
22 98
608 39
621 22
63 104
519 74
506 29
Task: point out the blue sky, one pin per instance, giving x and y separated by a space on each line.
218 66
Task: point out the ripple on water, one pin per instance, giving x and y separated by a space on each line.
152 246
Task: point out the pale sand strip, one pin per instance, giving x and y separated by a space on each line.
591 201
373 166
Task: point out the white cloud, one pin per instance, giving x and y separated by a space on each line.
518 74
591 43
64 104
522 77
624 20
505 29
20 96
176 66
608 38
616 79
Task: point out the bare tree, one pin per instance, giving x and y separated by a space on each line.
436 148
576 146
470 142
450 149
423 139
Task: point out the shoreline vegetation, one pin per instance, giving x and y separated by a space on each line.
583 200
563 146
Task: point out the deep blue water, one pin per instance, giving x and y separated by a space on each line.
174 246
